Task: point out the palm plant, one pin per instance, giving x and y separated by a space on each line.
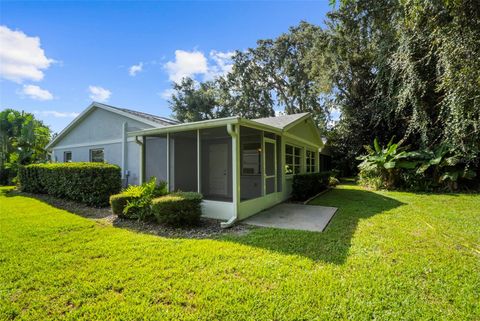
385 162
445 165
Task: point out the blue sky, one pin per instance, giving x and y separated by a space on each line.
56 56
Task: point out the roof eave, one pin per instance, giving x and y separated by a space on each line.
186 126
87 111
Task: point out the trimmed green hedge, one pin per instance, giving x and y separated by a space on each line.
182 208
305 186
88 183
119 201
135 201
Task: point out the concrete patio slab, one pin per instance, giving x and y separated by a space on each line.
294 216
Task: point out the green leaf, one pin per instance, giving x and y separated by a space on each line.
389 165
377 146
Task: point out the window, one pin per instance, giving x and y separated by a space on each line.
310 160
292 159
96 155
251 159
67 157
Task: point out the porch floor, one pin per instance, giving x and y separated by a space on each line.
294 217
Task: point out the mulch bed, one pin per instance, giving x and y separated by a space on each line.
207 228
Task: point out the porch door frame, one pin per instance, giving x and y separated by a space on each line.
265 141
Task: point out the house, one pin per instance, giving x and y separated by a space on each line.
241 166
99 134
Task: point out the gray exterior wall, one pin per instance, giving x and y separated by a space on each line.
100 125
112 154
102 129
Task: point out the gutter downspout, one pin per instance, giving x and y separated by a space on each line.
233 132
124 149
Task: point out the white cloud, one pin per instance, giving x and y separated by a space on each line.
167 93
56 114
99 94
223 63
135 69
21 57
37 93
186 64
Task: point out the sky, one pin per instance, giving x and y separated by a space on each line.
57 57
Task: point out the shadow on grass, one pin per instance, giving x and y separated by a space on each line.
69 206
207 228
332 245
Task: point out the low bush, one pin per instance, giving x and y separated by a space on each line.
333 181
305 186
178 209
135 201
118 202
88 183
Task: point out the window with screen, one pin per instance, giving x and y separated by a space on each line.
292 159
67 157
251 158
310 161
97 155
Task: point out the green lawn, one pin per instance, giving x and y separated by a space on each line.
385 255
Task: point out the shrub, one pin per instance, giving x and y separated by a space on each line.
333 181
135 201
305 186
178 209
118 202
88 183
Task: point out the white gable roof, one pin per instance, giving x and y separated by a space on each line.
282 122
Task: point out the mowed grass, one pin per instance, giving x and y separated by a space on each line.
385 255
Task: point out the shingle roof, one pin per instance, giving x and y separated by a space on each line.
280 121
157 119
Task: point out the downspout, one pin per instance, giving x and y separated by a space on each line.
124 150
233 132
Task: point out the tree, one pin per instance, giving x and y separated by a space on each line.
22 141
192 101
276 74
405 68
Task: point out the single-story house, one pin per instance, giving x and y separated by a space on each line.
99 134
241 166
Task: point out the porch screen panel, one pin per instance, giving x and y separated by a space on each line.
216 164
250 163
270 167
156 158
183 161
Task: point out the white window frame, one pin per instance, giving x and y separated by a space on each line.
65 156
310 168
294 164
94 150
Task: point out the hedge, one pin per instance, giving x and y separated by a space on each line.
88 183
139 197
119 201
177 209
305 186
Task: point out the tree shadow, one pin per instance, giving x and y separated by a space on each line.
333 244
206 229
69 206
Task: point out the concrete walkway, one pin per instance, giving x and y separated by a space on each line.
294 217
